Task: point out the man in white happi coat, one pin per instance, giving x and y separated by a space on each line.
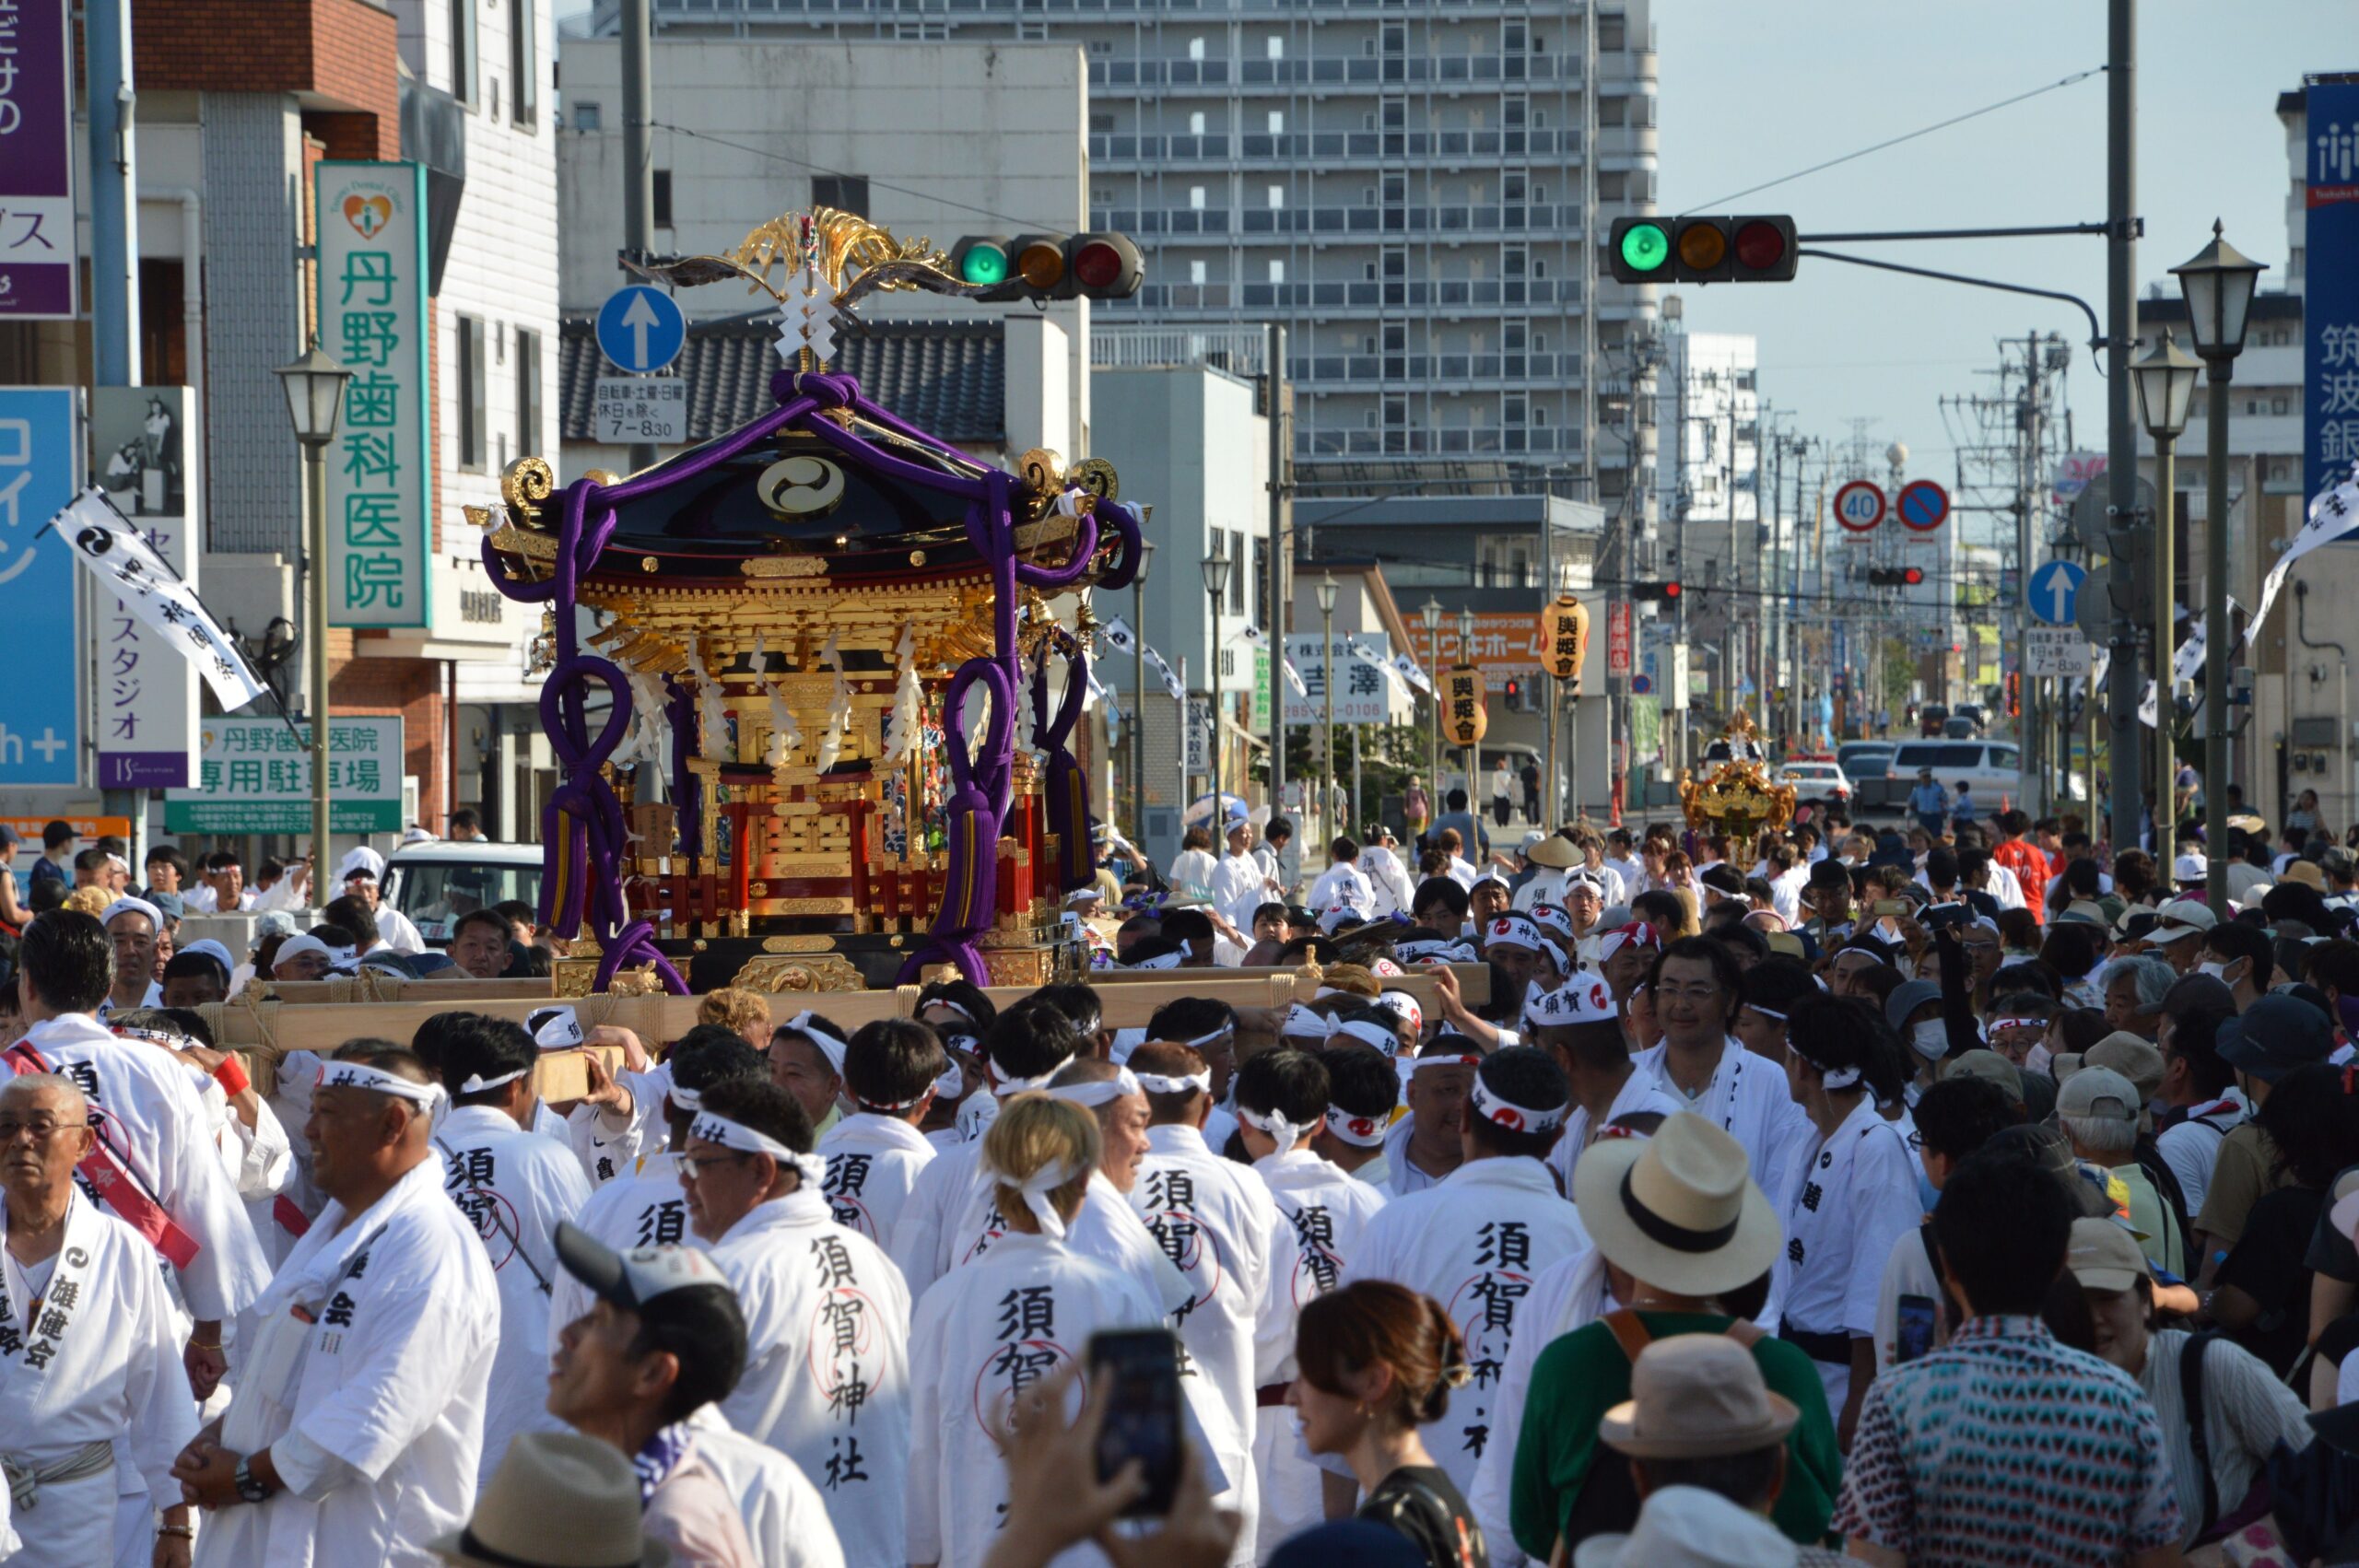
90 1374
1282 1106
646 1206
1216 1220
1476 1241
133 926
515 1186
1238 884
157 1165
1388 879
827 1378
353 1431
1425 1147
1579 1026
875 1154
360 878
1702 1067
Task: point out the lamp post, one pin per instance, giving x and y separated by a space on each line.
314 386
1217 569
2163 379
1327 642
1466 656
2219 284
1430 614
1138 691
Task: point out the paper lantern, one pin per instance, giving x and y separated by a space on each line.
1465 715
1564 639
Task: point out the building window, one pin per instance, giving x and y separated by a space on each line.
586 117
845 193
524 64
1237 574
663 213
464 85
473 403
1101 122
528 389
2276 405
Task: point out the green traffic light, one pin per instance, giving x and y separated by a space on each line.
984 265
1644 247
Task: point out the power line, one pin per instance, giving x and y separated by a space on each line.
1022 224
1896 141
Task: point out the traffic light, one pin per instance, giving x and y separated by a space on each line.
1654 592
1047 266
1514 694
1753 249
1896 576
2014 694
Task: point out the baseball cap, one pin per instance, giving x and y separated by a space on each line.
2180 919
2190 993
2103 1256
630 1280
1989 1065
1906 998
2190 868
2139 1060
2275 1035
2097 1092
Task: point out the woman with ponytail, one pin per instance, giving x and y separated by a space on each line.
1377 1361
1851 1192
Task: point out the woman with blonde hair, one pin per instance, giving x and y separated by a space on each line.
1013 1316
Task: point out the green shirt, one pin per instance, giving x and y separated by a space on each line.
1584 1374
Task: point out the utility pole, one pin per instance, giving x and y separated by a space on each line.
114 251
2030 735
1280 413
638 155
2122 425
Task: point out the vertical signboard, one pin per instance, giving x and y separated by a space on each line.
2331 300
371 228
1617 638
37 266
143 456
40 719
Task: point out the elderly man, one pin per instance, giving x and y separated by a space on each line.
358 1419
89 1359
479 945
1238 886
131 926
2134 988
224 887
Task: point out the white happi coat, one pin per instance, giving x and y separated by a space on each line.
155 1124
1401 1177
1237 889
94 1356
645 1208
1566 1296
1748 1099
514 1186
785 1518
366 1368
1106 1229
826 1377
1642 1090
1473 1242
1327 1209
1849 1200
938 1197
872 1165
983 1333
606 1146
1216 1220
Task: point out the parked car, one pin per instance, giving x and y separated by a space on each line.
1975 711
435 884
1816 780
1929 719
1990 765
1958 727
1863 759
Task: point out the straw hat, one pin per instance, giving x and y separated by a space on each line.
1697 1396
1678 1210
558 1499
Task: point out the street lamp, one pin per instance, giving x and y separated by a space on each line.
2219 283
1327 642
2163 379
1430 614
1216 569
1466 656
1138 691
314 386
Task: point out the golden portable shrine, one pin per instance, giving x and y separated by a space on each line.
845 662
1737 797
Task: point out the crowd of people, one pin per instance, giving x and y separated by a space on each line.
1950 1193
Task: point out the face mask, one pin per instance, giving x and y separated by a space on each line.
2217 971
1930 1039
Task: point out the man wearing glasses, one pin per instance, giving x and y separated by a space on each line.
1703 1067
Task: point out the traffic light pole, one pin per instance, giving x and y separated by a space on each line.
1280 432
2122 428
638 157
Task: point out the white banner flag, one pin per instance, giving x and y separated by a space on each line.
2331 516
1170 682
1294 680
1118 636
114 552
1406 667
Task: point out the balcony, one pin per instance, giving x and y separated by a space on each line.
1318 72
1484 295
1112 152
1490 222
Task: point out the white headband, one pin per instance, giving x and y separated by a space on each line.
1514 1117
1362 1131
360 1076
1998 1023
1302 1020
1284 1133
685 1099
1368 1032
133 907
1034 1190
555 1028
1161 961
1226 1031
1007 1086
729 1134
1091 1095
1833 1077
1466 1060
826 1044
950 1083
477 1083
1157 1083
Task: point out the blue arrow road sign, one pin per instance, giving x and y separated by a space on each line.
2054 590
640 329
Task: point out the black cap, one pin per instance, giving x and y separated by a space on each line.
630 1280
2275 1035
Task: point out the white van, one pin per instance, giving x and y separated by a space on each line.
1990 765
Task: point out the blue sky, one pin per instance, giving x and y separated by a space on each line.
1751 92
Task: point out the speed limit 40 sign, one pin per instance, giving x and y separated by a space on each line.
1860 505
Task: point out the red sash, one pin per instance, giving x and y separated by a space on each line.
291 1219
116 1186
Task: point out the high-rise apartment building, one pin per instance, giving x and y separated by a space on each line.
1417 189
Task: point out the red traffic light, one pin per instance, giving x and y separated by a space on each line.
1760 244
1912 576
1670 590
